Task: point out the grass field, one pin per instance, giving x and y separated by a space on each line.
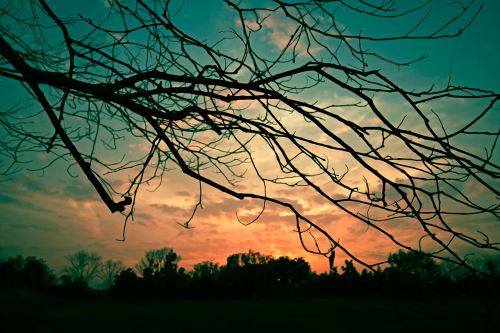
29 313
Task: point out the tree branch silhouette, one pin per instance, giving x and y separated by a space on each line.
203 106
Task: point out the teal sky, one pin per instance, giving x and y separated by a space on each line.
51 214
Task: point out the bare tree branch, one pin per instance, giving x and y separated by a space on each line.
216 109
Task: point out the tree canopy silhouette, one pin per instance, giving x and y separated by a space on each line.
30 272
83 266
218 109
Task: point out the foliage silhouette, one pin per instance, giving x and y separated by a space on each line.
127 284
31 273
285 293
253 275
206 280
82 267
109 269
160 273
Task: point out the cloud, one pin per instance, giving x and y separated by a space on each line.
34 225
79 190
29 182
281 31
168 209
5 199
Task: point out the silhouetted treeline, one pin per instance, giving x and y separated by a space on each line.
249 275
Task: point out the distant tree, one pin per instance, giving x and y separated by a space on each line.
371 283
109 269
252 273
127 284
156 262
30 272
492 267
83 266
205 270
412 274
206 280
160 273
349 270
349 280
289 275
467 283
10 270
244 259
415 264
244 275
36 274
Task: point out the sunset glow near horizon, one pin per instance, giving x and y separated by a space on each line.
54 212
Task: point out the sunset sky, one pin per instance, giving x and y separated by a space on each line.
55 212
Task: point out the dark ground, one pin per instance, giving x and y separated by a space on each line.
35 313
